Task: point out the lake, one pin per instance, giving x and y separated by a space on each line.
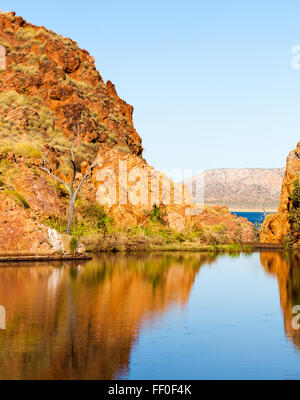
152 316
253 217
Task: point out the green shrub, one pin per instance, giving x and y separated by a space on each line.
96 215
88 220
82 228
57 223
74 244
157 215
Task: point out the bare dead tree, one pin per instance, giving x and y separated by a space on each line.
73 192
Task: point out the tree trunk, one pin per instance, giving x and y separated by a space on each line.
71 213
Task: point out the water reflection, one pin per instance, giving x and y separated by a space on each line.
81 321
76 321
287 270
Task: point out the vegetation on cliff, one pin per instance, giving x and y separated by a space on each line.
294 218
98 232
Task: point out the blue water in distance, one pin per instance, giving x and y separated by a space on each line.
253 217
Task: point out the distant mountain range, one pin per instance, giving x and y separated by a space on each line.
251 189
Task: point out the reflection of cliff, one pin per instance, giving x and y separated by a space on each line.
81 322
287 271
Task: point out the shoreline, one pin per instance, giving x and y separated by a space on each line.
38 258
222 249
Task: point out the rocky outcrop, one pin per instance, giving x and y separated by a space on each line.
276 227
21 233
140 186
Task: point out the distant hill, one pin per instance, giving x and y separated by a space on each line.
239 189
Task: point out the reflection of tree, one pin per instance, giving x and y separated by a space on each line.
287 270
79 321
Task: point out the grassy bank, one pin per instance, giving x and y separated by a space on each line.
97 232
160 241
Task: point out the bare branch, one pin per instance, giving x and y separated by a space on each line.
45 169
85 178
73 158
73 178
92 166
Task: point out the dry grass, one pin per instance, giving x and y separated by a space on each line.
24 149
154 236
119 241
26 69
19 198
25 34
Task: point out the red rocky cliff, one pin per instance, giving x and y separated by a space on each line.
45 65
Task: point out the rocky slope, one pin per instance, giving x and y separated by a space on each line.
64 86
276 227
51 93
240 189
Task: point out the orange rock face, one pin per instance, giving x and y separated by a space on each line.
22 234
277 226
139 186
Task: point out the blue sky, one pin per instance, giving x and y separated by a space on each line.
211 81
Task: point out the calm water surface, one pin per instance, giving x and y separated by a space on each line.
152 316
